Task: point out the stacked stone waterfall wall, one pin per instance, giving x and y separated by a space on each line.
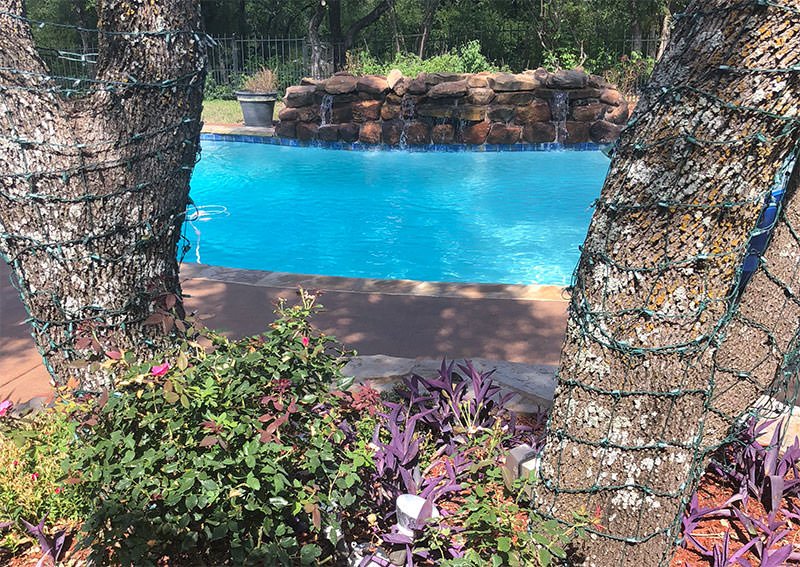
441 108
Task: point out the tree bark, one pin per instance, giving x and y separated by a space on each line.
666 27
94 185
362 23
636 27
427 22
664 351
315 42
337 37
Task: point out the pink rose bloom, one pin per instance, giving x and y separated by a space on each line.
4 407
160 370
305 341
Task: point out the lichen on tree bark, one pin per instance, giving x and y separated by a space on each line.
94 180
664 351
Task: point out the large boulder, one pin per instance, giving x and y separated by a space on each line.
514 97
565 79
340 84
617 114
475 134
597 82
443 134
504 134
539 133
612 97
577 132
308 113
537 111
288 113
307 131
588 112
372 84
501 113
310 81
450 89
416 86
505 82
480 95
540 74
391 132
366 110
328 133
479 81
394 77
349 132
286 129
432 79
470 112
418 133
401 86
390 111
370 133
603 132
299 96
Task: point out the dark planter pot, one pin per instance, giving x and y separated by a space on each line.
257 108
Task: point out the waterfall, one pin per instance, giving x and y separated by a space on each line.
326 109
407 111
560 110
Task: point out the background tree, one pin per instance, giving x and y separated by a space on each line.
666 347
94 182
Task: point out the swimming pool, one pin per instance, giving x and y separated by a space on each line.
499 217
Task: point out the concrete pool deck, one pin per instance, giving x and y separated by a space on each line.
522 324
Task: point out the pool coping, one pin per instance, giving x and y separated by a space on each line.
253 135
415 288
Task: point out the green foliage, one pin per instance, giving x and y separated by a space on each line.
630 71
231 451
222 91
561 58
467 59
32 481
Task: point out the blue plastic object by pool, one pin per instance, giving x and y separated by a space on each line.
766 222
501 217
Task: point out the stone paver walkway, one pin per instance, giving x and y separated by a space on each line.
522 324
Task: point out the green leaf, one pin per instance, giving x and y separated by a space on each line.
544 557
191 501
253 482
278 501
309 553
503 544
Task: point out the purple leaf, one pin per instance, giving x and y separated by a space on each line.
396 538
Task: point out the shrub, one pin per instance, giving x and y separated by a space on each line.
33 484
262 81
237 451
467 59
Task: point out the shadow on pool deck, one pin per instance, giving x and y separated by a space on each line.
406 319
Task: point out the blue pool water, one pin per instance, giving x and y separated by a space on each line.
499 217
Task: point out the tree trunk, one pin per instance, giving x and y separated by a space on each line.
337 38
94 186
666 27
636 27
362 23
314 41
664 350
427 22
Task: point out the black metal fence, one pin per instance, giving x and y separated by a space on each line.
230 59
